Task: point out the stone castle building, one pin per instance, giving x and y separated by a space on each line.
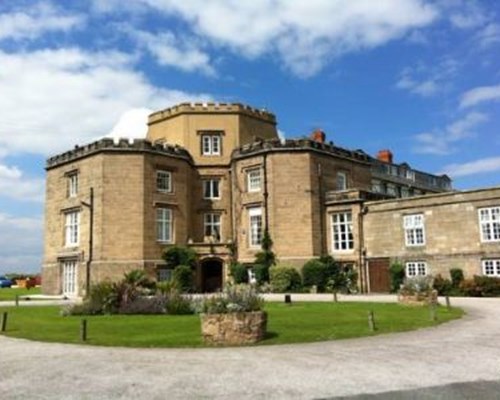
214 176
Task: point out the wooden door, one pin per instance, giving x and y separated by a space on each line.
378 270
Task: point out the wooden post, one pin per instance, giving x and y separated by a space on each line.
3 326
288 299
335 297
448 305
432 311
83 330
371 321
17 300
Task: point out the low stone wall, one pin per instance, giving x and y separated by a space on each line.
233 329
418 299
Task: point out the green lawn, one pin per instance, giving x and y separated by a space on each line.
301 322
9 294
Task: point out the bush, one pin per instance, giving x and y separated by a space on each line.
481 286
183 276
234 298
315 273
397 276
457 276
144 305
180 255
239 273
442 285
284 278
261 273
177 304
417 285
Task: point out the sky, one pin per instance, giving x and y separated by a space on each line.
419 77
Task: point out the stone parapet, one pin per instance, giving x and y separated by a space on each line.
211 108
120 145
277 145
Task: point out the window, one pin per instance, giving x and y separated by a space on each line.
405 192
211 189
164 274
414 229
491 267
72 228
341 181
489 220
254 180
391 189
72 185
164 225
212 226
342 231
255 218
377 186
211 144
416 268
164 181
69 278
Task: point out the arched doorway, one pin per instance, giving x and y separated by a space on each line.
211 275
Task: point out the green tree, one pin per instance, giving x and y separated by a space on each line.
264 259
180 255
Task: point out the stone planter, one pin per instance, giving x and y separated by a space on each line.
419 299
233 329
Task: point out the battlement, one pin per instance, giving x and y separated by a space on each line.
117 145
298 145
211 108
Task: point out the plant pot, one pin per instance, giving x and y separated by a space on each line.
418 299
233 329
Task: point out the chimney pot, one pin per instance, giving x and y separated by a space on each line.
318 136
385 156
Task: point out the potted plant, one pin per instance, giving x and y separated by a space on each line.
233 317
418 290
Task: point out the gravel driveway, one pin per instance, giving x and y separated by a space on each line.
465 351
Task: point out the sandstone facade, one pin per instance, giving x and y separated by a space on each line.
214 176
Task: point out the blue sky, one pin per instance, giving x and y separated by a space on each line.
419 77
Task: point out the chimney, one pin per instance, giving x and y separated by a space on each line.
318 136
385 156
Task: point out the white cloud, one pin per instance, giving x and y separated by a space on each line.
54 99
33 21
132 124
15 185
488 35
20 243
304 34
170 50
481 166
443 141
466 14
480 95
425 80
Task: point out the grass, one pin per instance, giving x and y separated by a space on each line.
9 294
301 322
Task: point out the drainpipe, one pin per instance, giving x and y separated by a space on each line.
321 211
90 206
361 256
266 195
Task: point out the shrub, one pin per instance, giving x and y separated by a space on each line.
397 276
261 273
457 276
180 255
239 273
144 305
177 304
183 276
417 285
234 298
481 286
265 257
284 278
442 285
315 273
166 287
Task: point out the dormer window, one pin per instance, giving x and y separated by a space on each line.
211 144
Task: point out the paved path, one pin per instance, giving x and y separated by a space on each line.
459 357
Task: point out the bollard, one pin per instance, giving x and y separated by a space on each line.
448 305
288 299
432 311
335 299
3 325
371 321
83 330
17 300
